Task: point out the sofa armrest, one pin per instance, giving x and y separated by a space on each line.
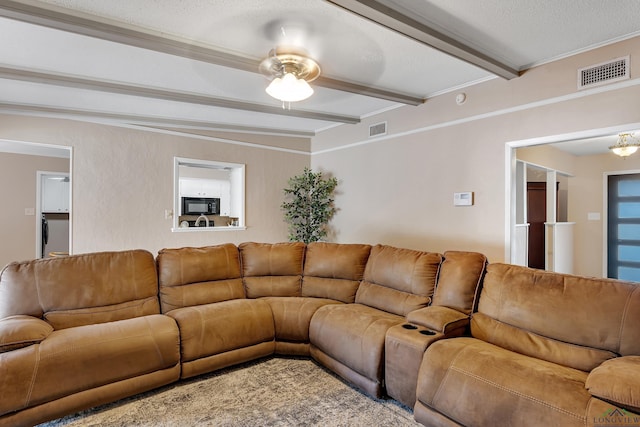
617 381
22 331
440 319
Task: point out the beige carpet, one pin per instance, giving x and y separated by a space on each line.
271 392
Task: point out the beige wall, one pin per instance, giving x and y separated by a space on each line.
399 189
122 182
17 193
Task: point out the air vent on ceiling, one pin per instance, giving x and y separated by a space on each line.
378 129
600 74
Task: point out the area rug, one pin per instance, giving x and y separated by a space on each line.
272 392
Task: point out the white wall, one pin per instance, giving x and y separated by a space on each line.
398 189
123 182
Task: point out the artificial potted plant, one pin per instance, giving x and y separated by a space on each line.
308 206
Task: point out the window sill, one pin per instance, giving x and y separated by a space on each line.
200 229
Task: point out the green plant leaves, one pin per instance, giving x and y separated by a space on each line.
308 206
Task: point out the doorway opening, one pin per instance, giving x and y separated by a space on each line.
21 223
546 236
589 203
53 196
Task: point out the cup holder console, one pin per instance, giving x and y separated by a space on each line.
411 327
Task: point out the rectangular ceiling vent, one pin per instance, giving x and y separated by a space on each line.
600 74
378 129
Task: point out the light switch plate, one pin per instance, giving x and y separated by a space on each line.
463 199
29 211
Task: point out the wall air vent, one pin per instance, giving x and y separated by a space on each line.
378 129
600 74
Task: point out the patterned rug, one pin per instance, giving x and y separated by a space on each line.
272 392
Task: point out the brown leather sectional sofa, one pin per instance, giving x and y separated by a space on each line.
513 346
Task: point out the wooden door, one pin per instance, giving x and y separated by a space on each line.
536 217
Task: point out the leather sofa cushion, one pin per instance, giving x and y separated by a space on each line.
72 360
459 280
353 334
499 387
272 269
182 266
440 319
389 299
519 340
617 381
22 331
272 286
195 276
211 329
333 270
86 316
16 373
398 280
324 287
65 284
597 313
292 316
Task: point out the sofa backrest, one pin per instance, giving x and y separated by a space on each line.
334 270
459 280
195 276
574 321
272 269
81 289
398 280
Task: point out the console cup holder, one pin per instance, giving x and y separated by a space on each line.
427 332
409 326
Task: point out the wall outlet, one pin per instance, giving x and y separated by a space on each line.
593 216
29 211
168 214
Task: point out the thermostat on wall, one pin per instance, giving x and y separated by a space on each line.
463 199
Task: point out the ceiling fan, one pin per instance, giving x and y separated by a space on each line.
290 70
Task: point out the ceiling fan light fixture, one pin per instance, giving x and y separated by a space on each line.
291 70
626 145
289 88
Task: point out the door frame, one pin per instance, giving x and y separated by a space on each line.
510 172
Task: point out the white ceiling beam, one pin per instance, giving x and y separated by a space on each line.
76 82
400 22
150 121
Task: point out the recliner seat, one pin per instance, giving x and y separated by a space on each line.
79 332
202 289
349 339
537 343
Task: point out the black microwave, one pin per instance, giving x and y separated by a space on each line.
200 206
